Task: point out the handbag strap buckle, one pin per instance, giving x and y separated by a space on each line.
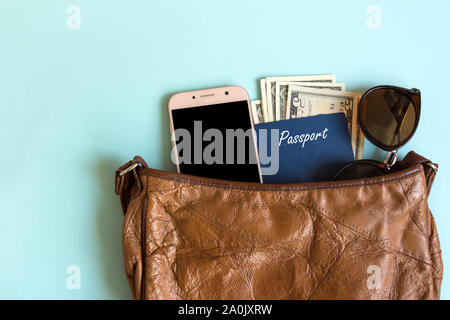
124 182
391 159
128 169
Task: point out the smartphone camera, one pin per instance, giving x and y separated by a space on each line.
193 97
227 93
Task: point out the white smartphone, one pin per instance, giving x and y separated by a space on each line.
213 134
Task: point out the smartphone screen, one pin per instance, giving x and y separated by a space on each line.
221 153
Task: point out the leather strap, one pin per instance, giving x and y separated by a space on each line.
413 159
127 179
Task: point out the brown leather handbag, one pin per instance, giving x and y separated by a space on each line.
187 237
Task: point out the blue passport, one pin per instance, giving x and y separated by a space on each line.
310 149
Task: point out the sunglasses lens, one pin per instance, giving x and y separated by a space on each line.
389 116
361 169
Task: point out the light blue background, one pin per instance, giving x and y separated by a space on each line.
76 104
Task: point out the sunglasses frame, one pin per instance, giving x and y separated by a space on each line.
412 94
381 165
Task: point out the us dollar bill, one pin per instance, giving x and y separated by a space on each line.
262 83
306 102
281 92
274 115
257 112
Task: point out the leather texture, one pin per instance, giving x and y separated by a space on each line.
188 237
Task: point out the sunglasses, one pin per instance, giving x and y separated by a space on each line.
388 117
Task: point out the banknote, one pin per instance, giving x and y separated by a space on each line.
257 112
281 91
266 114
306 102
359 153
270 89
